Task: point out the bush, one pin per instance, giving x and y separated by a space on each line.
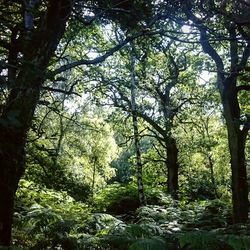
46 218
117 199
121 199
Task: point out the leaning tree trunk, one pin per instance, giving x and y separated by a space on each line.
172 166
17 114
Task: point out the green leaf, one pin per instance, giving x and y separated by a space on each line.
148 244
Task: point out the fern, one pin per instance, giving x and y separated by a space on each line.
199 240
238 242
149 244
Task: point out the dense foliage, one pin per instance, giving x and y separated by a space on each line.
124 124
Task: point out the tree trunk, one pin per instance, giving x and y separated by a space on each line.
236 140
12 165
17 114
172 166
239 177
227 85
93 179
142 198
14 124
211 168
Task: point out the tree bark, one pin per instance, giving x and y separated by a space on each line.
236 141
237 132
142 198
239 176
14 124
15 120
93 179
12 165
211 168
172 167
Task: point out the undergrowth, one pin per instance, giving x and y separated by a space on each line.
45 219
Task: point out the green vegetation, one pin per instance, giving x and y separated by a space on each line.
45 219
124 125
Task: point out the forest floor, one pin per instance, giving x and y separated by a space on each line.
45 219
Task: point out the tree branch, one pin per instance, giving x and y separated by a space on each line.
104 56
69 92
243 87
245 57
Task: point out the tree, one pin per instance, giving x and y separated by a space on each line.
229 66
48 158
203 146
157 83
28 52
159 77
133 86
